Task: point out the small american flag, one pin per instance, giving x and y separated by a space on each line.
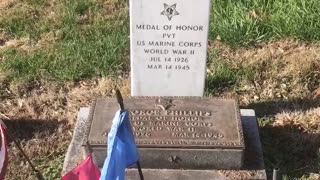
3 152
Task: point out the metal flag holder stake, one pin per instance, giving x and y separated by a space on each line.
120 101
10 135
276 174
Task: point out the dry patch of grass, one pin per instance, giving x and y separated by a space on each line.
307 121
6 3
111 9
56 101
280 80
42 118
16 43
279 70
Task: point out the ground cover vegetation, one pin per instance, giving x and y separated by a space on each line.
58 55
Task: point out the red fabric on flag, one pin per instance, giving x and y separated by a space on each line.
86 170
3 153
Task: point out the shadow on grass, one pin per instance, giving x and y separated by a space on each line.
218 85
292 150
221 80
44 142
269 108
26 129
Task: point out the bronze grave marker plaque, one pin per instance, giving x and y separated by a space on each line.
200 132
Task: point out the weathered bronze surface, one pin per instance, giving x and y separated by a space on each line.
193 123
174 133
176 122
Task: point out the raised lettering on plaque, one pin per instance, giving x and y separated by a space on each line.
168 47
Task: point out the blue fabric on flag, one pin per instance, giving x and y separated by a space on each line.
122 150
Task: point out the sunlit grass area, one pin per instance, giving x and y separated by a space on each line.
84 40
246 22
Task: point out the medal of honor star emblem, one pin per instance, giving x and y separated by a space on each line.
169 11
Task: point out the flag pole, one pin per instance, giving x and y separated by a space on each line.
120 101
10 135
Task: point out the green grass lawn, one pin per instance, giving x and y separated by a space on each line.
80 42
92 35
247 22
265 52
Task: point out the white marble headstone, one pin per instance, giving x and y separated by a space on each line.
168 41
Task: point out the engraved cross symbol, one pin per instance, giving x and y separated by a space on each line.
164 104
